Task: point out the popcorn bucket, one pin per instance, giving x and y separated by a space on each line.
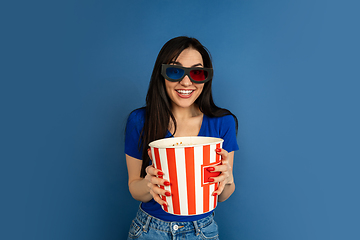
185 162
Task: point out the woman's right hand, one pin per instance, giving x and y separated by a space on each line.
155 179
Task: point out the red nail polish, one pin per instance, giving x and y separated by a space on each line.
214 194
160 173
210 169
168 194
211 179
167 183
218 150
164 205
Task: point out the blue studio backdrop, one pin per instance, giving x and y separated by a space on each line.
72 71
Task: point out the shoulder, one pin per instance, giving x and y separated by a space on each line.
227 120
219 125
138 115
134 126
136 120
223 127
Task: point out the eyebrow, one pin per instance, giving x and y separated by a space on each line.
195 65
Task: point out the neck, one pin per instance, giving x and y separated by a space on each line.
186 113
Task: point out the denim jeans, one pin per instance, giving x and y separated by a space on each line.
145 226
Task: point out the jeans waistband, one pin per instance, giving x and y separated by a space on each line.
174 227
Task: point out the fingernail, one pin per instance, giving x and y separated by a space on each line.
214 194
167 183
160 173
168 194
218 150
164 205
210 169
211 179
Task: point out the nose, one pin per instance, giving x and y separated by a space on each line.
186 81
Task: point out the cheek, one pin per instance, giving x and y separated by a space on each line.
169 86
200 88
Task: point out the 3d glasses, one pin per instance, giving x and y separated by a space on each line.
175 73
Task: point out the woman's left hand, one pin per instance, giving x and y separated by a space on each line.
225 169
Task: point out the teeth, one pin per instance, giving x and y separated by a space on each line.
185 92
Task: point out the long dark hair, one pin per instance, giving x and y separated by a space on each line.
158 103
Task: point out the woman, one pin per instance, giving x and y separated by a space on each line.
178 103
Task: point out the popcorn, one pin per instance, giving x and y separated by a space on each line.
181 144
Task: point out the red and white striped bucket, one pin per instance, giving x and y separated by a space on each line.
184 162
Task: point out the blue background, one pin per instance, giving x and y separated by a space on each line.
71 72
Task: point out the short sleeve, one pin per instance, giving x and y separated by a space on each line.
134 126
228 133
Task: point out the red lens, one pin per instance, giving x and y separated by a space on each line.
198 75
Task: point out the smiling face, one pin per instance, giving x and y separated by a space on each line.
184 93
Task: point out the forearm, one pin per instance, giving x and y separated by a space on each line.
229 189
227 192
139 190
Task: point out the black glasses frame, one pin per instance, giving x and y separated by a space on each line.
186 73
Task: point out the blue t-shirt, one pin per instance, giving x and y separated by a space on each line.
220 127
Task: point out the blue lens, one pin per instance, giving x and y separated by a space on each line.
174 73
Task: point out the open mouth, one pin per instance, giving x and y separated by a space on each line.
185 92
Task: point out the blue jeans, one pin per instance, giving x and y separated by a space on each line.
145 226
